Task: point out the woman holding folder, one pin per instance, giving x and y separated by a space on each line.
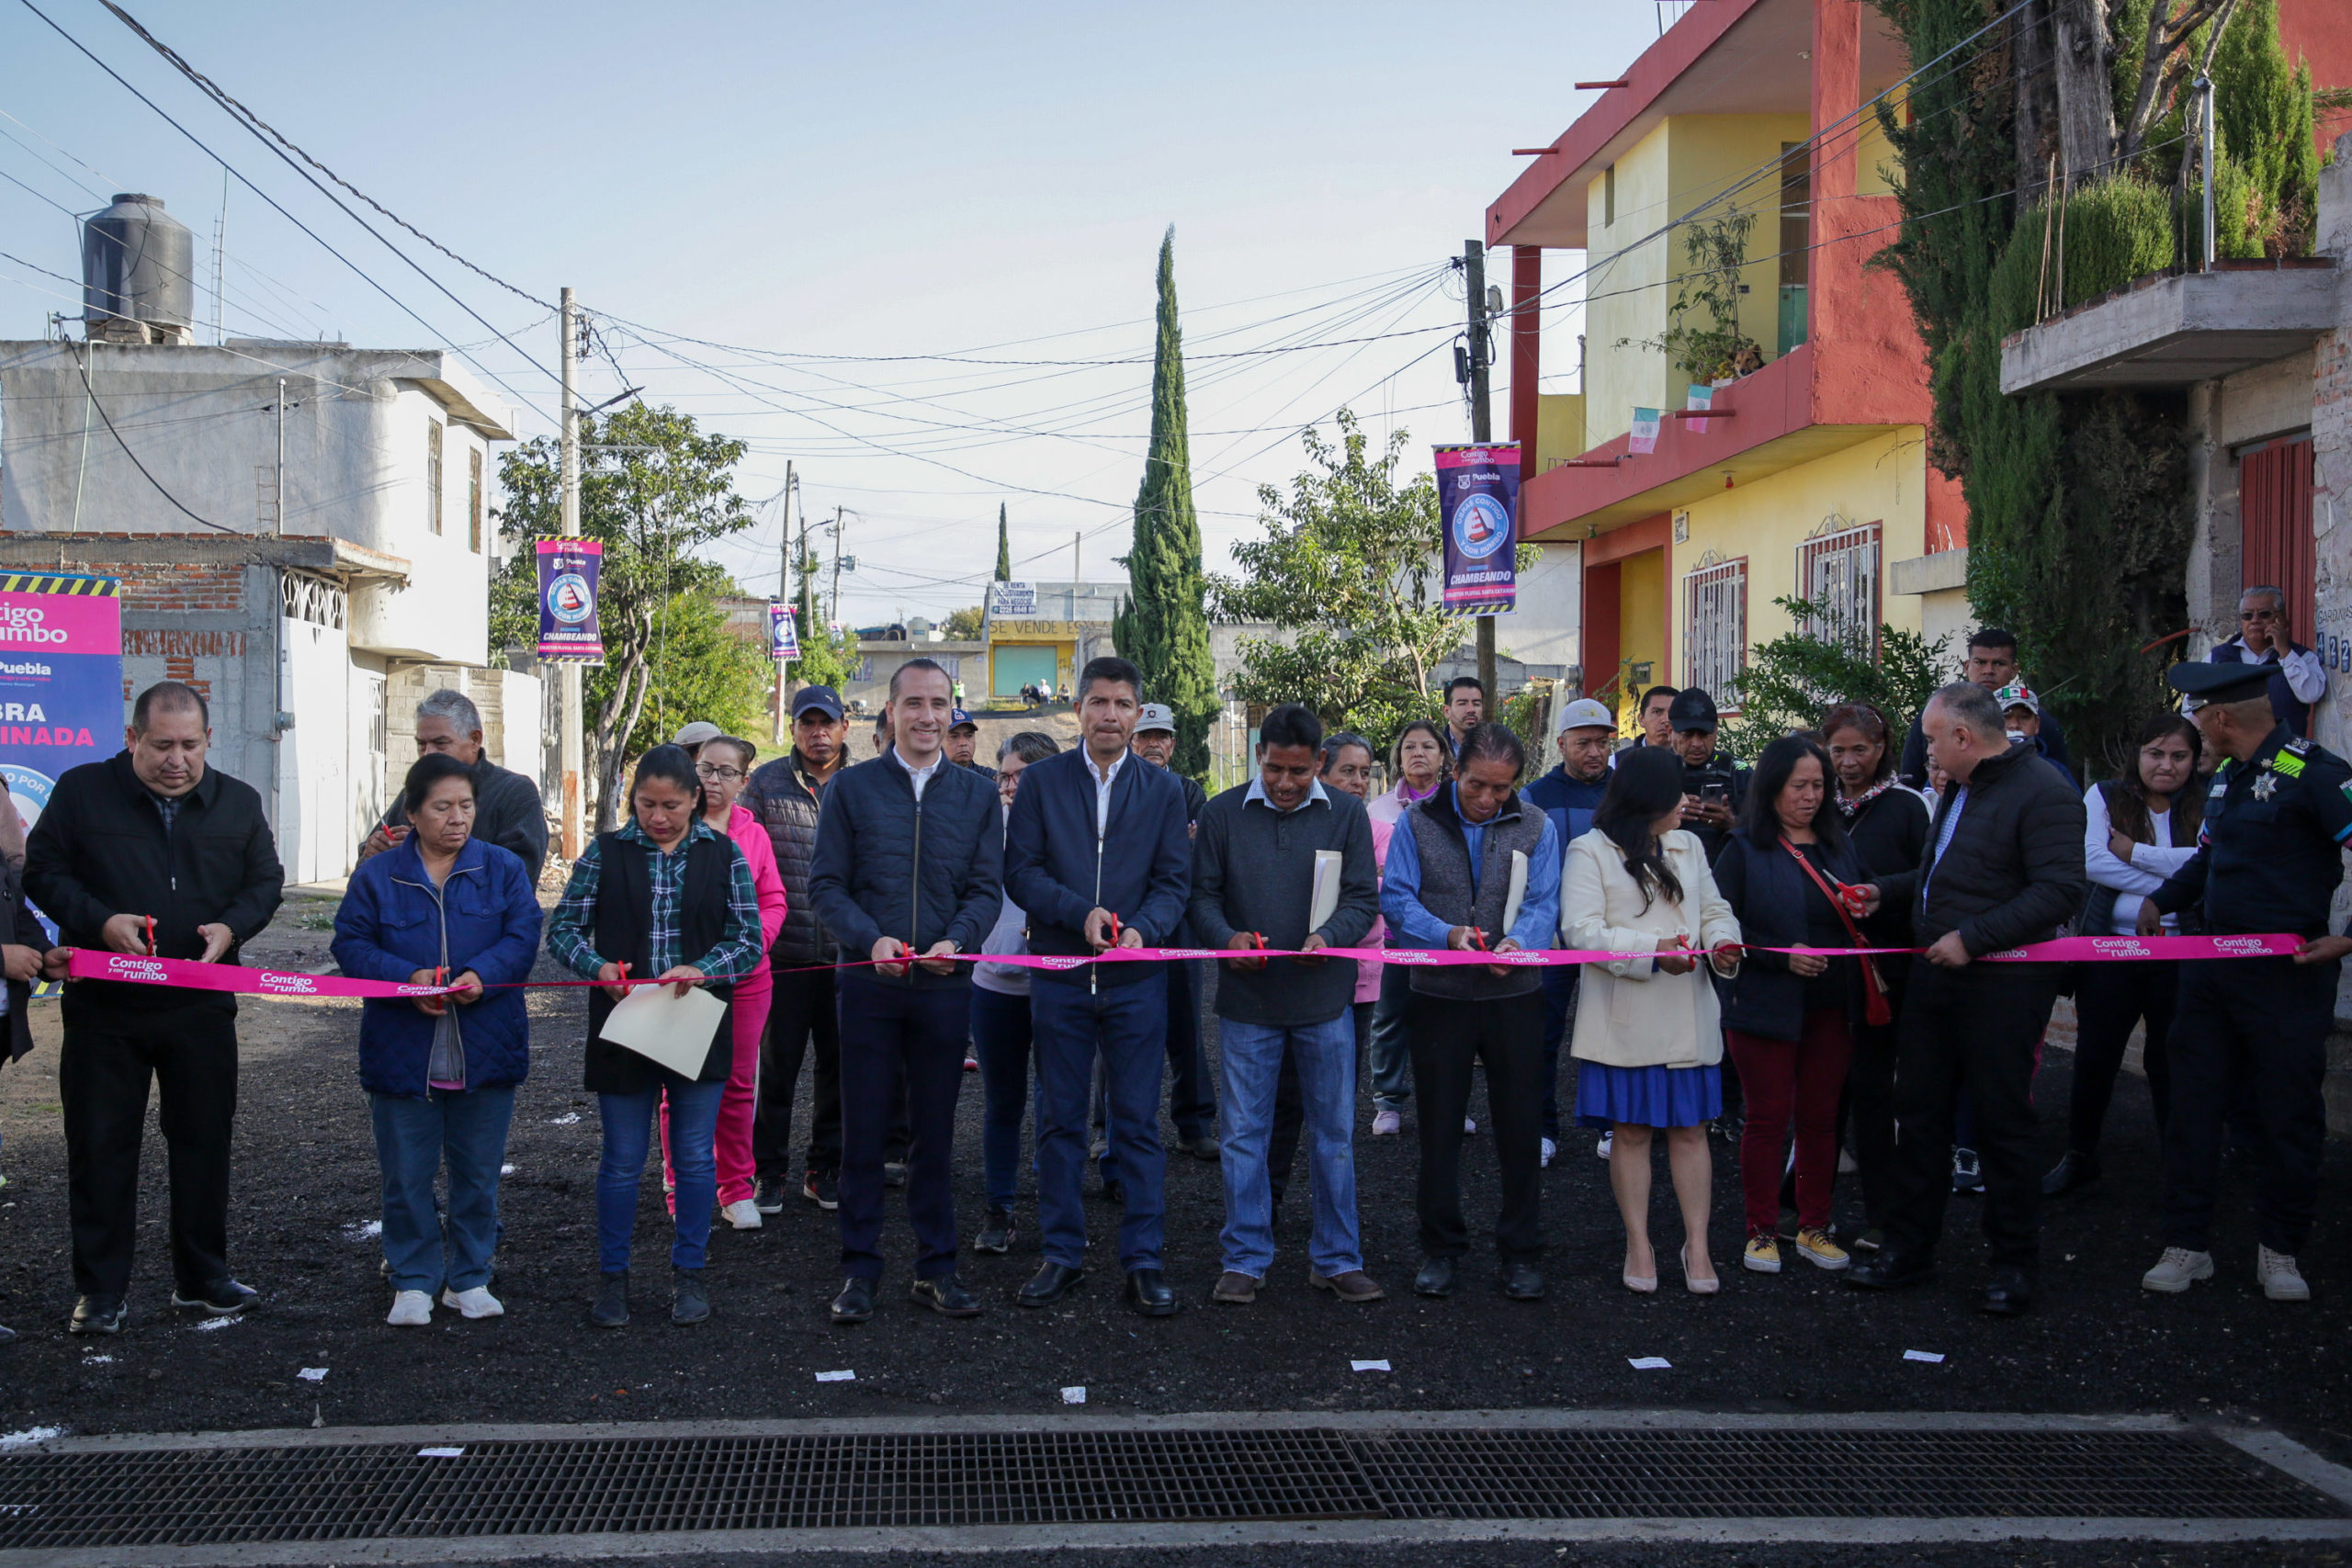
669 897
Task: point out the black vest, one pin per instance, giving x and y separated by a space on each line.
624 930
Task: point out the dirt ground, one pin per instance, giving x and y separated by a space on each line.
306 1193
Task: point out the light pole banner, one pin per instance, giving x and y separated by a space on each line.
1477 504
784 636
568 630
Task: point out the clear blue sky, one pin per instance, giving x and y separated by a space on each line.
858 181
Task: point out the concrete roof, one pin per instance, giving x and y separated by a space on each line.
2171 331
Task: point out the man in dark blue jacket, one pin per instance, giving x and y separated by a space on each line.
906 868
1568 794
1097 853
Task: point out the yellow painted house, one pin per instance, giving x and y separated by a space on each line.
1808 477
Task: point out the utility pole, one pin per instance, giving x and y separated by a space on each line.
1482 430
279 505
571 721
1076 575
837 561
783 590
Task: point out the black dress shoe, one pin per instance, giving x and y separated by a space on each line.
8 1335
1049 1284
2009 1294
1888 1270
222 1298
98 1315
948 1297
2074 1171
1436 1278
855 1304
1522 1282
1149 1294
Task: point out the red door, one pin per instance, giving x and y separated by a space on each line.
2275 519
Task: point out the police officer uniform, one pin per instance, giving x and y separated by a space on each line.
2268 859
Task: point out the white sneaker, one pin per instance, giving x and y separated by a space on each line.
1847 1165
1608 1142
1469 1124
743 1214
2282 1280
1549 1148
2177 1269
1386 1123
475 1302
410 1309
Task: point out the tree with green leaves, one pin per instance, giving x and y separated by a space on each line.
1791 680
1347 574
654 489
963 625
1003 547
1162 625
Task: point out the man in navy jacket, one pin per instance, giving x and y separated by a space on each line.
1097 855
905 875
1568 795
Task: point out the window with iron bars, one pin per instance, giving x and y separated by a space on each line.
1837 574
1715 629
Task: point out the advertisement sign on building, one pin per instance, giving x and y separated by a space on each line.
568 629
784 636
1477 489
60 680
1012 600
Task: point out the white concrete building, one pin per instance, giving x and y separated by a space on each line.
290 588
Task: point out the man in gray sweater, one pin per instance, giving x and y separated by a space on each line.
1254 863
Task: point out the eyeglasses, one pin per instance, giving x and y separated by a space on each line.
716 774
2258 614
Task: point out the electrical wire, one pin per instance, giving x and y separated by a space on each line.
119 441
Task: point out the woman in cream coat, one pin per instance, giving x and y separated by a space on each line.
1648 1038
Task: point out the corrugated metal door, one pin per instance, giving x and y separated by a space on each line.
2275 514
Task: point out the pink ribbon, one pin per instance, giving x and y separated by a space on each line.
90 963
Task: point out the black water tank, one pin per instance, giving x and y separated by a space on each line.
138 264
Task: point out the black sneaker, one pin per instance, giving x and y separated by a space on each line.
1967 1174
768 1194
823 1188
689 1301
894 1173
946 1296
98 1315
611 1307
997 1234
222 1299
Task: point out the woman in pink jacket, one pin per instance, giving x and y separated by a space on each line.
724 763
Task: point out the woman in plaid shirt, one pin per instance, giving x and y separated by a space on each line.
667 895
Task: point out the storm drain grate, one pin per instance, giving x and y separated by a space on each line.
119 1498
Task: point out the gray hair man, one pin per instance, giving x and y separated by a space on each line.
2295 677
2004 867
507 808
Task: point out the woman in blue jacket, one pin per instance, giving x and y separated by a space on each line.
441 1071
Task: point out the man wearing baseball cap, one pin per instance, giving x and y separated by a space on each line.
1568 794
1191 1098
690 736
964 743
1714 786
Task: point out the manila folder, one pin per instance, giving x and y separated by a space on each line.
662 1026
1326 902
1518 894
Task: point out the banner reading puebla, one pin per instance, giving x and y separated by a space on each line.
568 629
783 639
1477 504
60 680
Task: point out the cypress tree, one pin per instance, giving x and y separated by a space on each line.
1003 547
1163 625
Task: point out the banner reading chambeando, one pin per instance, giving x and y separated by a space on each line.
1477 508
568 570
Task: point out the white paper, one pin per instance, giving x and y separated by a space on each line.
1073 1396
1649 1363
1326 902
843 1376
312 1375
440 1453
662 1026
1369 1367
1518 894
1923 1355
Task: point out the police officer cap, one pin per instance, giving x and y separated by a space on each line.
2221 683
1693 709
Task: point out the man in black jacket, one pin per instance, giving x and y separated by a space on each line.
151 853
1991 664
2004 867
508 811
908 866
26 951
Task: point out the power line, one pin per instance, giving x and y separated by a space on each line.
93 394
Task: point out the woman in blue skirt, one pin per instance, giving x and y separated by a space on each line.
1648 1038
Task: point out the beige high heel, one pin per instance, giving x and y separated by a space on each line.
1697 1287
1640 1284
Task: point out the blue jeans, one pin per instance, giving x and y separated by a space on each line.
1252 1056
1000 1035
628 1135
466 1131
1128 1024
1391 1059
